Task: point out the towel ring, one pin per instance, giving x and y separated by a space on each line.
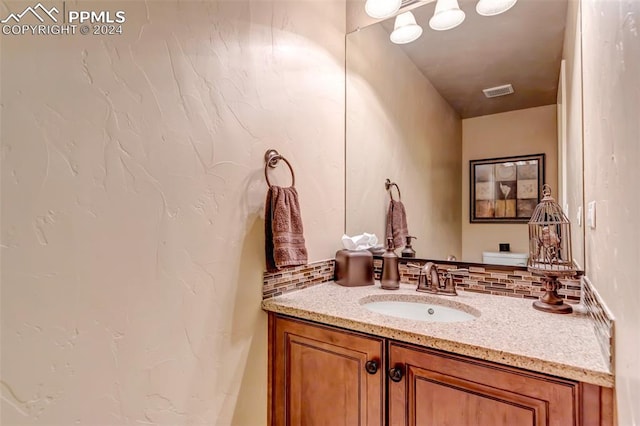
271 159
388 186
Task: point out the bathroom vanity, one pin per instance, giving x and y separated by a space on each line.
334 361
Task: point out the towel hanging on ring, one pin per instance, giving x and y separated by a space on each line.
397 228
284 233
397 223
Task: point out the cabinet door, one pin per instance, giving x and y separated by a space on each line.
435 388
324 376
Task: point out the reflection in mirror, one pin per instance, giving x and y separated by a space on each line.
416 114
570 131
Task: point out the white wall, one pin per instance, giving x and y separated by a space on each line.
611 55
132 182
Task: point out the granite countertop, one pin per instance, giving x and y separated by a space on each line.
508 331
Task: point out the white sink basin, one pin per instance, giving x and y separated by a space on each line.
419 311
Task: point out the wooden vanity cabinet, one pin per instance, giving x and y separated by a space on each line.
436 388
324 376
318 376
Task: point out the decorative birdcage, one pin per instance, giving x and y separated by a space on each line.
550 251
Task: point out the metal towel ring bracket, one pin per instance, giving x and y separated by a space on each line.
271 159
388 186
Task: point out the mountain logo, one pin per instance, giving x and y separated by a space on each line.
38 11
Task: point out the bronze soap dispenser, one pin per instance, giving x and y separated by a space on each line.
390 269
408 251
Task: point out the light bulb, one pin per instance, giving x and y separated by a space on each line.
494 7
405 29
382 8
446 16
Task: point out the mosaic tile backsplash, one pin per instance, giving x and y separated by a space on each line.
296 278
496 280
603 323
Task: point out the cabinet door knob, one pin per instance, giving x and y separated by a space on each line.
371 367
395 374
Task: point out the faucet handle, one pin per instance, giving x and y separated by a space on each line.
449 283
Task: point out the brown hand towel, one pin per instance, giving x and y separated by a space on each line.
397 223
284 239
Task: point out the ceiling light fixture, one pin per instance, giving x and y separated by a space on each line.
494 7
405 29
382 8
446 16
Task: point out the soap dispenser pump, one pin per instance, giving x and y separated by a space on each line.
390 269
408 251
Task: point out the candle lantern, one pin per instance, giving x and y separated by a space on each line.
550 251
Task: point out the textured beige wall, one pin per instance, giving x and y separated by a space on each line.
132 185
521 132
574 155
611 49
399 127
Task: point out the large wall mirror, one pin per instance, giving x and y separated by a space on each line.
416 114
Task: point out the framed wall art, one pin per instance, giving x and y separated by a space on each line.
506 189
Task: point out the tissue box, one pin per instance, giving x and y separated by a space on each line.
354 268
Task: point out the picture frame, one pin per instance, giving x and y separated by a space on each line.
505 189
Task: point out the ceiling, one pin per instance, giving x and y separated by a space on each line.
522 46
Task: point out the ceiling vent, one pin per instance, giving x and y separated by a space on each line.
494 92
